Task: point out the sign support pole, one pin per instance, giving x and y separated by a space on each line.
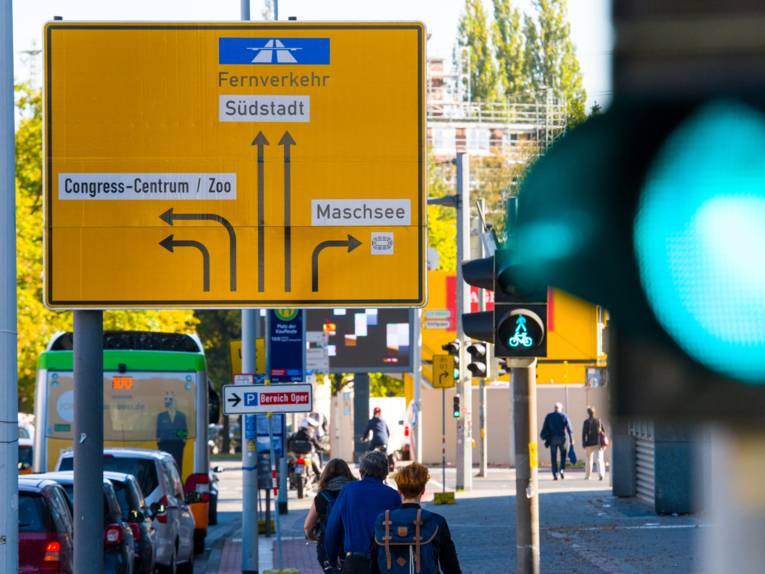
526 464
417 381
9 550
250 323
464 423
443 440
360 412
88 441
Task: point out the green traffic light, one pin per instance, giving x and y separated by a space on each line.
699 237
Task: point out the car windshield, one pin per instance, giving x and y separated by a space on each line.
33 513
123 497
69 489
142 469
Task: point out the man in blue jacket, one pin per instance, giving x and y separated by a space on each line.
350 528
554 431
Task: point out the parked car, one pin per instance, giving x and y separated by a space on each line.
26 456
158 477
118 538
45 528
138 517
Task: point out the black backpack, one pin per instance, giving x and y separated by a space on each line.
330 496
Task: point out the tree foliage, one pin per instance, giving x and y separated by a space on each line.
442 220
475 35
35 323
560 66
509 50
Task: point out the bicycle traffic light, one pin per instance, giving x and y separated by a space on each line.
456 408
659 218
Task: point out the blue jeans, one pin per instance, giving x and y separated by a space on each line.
555 449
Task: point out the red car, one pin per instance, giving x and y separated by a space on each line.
45 528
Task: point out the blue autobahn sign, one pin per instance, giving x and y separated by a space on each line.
312 51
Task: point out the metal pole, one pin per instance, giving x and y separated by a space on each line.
734 500
443 440
417 381
483 467
464 423
526 463
479 250
88 441
276 500
360 412
9 428
250 327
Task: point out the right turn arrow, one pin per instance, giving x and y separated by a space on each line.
234 399
351 243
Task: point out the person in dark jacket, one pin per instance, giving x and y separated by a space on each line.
378 428
437 552
333 478
554 431
350 528
304 442
591 430
172 430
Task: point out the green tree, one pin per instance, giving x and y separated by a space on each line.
441 220
35 323
474 34
560 68
532 58
382 385
217 328
509 49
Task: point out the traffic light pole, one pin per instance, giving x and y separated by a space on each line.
9 428
523 379
464 422
417 381
483 463
250 326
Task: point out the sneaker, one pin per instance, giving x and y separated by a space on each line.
601 478
555 477
562 476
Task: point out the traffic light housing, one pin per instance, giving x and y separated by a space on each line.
456 407
480 359
479 273
453 348
520 311
659 219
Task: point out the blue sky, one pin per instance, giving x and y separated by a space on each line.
590 25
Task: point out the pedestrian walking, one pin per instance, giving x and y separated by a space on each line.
379 431
410 538
554 431
334 477
594 441
350 528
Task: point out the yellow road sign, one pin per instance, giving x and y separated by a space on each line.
443 371
233 165
235 347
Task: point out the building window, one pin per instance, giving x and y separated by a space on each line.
444 140
478 140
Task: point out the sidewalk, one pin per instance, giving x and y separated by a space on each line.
295 554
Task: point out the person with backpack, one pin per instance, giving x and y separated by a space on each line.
334 477
594 441
351 523
410 538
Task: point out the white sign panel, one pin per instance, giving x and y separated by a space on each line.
254 399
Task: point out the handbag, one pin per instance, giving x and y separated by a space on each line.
571 454
604 442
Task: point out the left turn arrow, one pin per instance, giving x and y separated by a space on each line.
170 244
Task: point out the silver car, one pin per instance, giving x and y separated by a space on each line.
160 481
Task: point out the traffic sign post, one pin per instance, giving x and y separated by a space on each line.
254 399
234 165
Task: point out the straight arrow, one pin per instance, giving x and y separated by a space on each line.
351 243
170 244
261 141
234 399
287 141
170 217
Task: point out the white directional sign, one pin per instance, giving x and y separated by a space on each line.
253 399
